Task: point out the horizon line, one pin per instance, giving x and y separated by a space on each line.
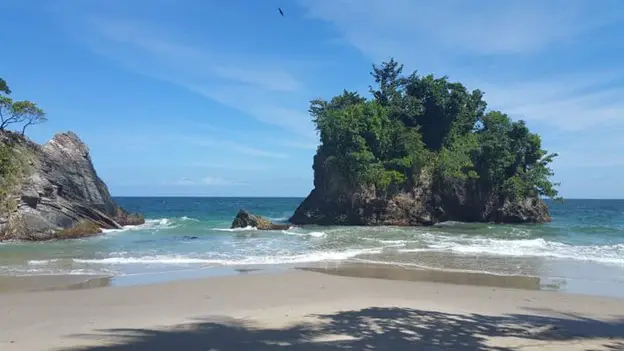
294 197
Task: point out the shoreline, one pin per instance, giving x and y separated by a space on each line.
61 282
351 269
35 283
304 310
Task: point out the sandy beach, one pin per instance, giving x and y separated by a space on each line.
307 310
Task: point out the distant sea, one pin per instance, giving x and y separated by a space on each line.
581 250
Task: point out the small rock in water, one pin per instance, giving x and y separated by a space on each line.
245 219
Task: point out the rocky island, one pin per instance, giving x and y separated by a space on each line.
423 150
50 191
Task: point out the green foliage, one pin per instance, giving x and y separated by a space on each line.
7 171
4 88
361 139
21 113
456 159
13 158
79 230
13 167
416 122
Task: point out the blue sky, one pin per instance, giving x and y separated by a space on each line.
207 97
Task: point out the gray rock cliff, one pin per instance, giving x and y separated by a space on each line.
429 201
59 191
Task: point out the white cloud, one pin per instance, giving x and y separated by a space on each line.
216 181
253 151
184 181
277 80
254 85
229 166
227 145
585 149
206 181
301 145
260 105
569 103
186 62
378 28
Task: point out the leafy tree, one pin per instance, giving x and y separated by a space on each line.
4 88
414 122
23 113
388 77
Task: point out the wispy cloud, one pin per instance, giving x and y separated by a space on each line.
586 149
217 181
571 103
260 105
184 181
487 27
206 181
183 63
248 83
226 145
300 145
287 141
229 166
253 151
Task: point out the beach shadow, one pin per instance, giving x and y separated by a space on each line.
369 329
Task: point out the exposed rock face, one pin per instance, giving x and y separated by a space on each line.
124 218
245 219
61 190
334 202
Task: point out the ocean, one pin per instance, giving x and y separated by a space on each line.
581 250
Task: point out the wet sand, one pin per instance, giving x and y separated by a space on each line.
17 284
452 272
393 272
306 310
12 284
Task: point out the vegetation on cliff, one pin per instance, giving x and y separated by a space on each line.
49 191
422 123
14 166
14 158
20 114
79 230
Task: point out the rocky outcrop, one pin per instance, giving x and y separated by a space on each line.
125 218
60 191
245 219
334 202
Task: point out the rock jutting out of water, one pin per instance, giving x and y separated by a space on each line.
332 202
59 194
245 219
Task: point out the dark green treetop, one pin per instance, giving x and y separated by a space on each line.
414 123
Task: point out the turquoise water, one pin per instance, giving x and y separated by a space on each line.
584 242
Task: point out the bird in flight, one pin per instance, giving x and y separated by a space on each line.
280 11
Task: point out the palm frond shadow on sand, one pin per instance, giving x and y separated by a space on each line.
372 329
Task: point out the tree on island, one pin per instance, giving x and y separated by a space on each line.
23 113
422 123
